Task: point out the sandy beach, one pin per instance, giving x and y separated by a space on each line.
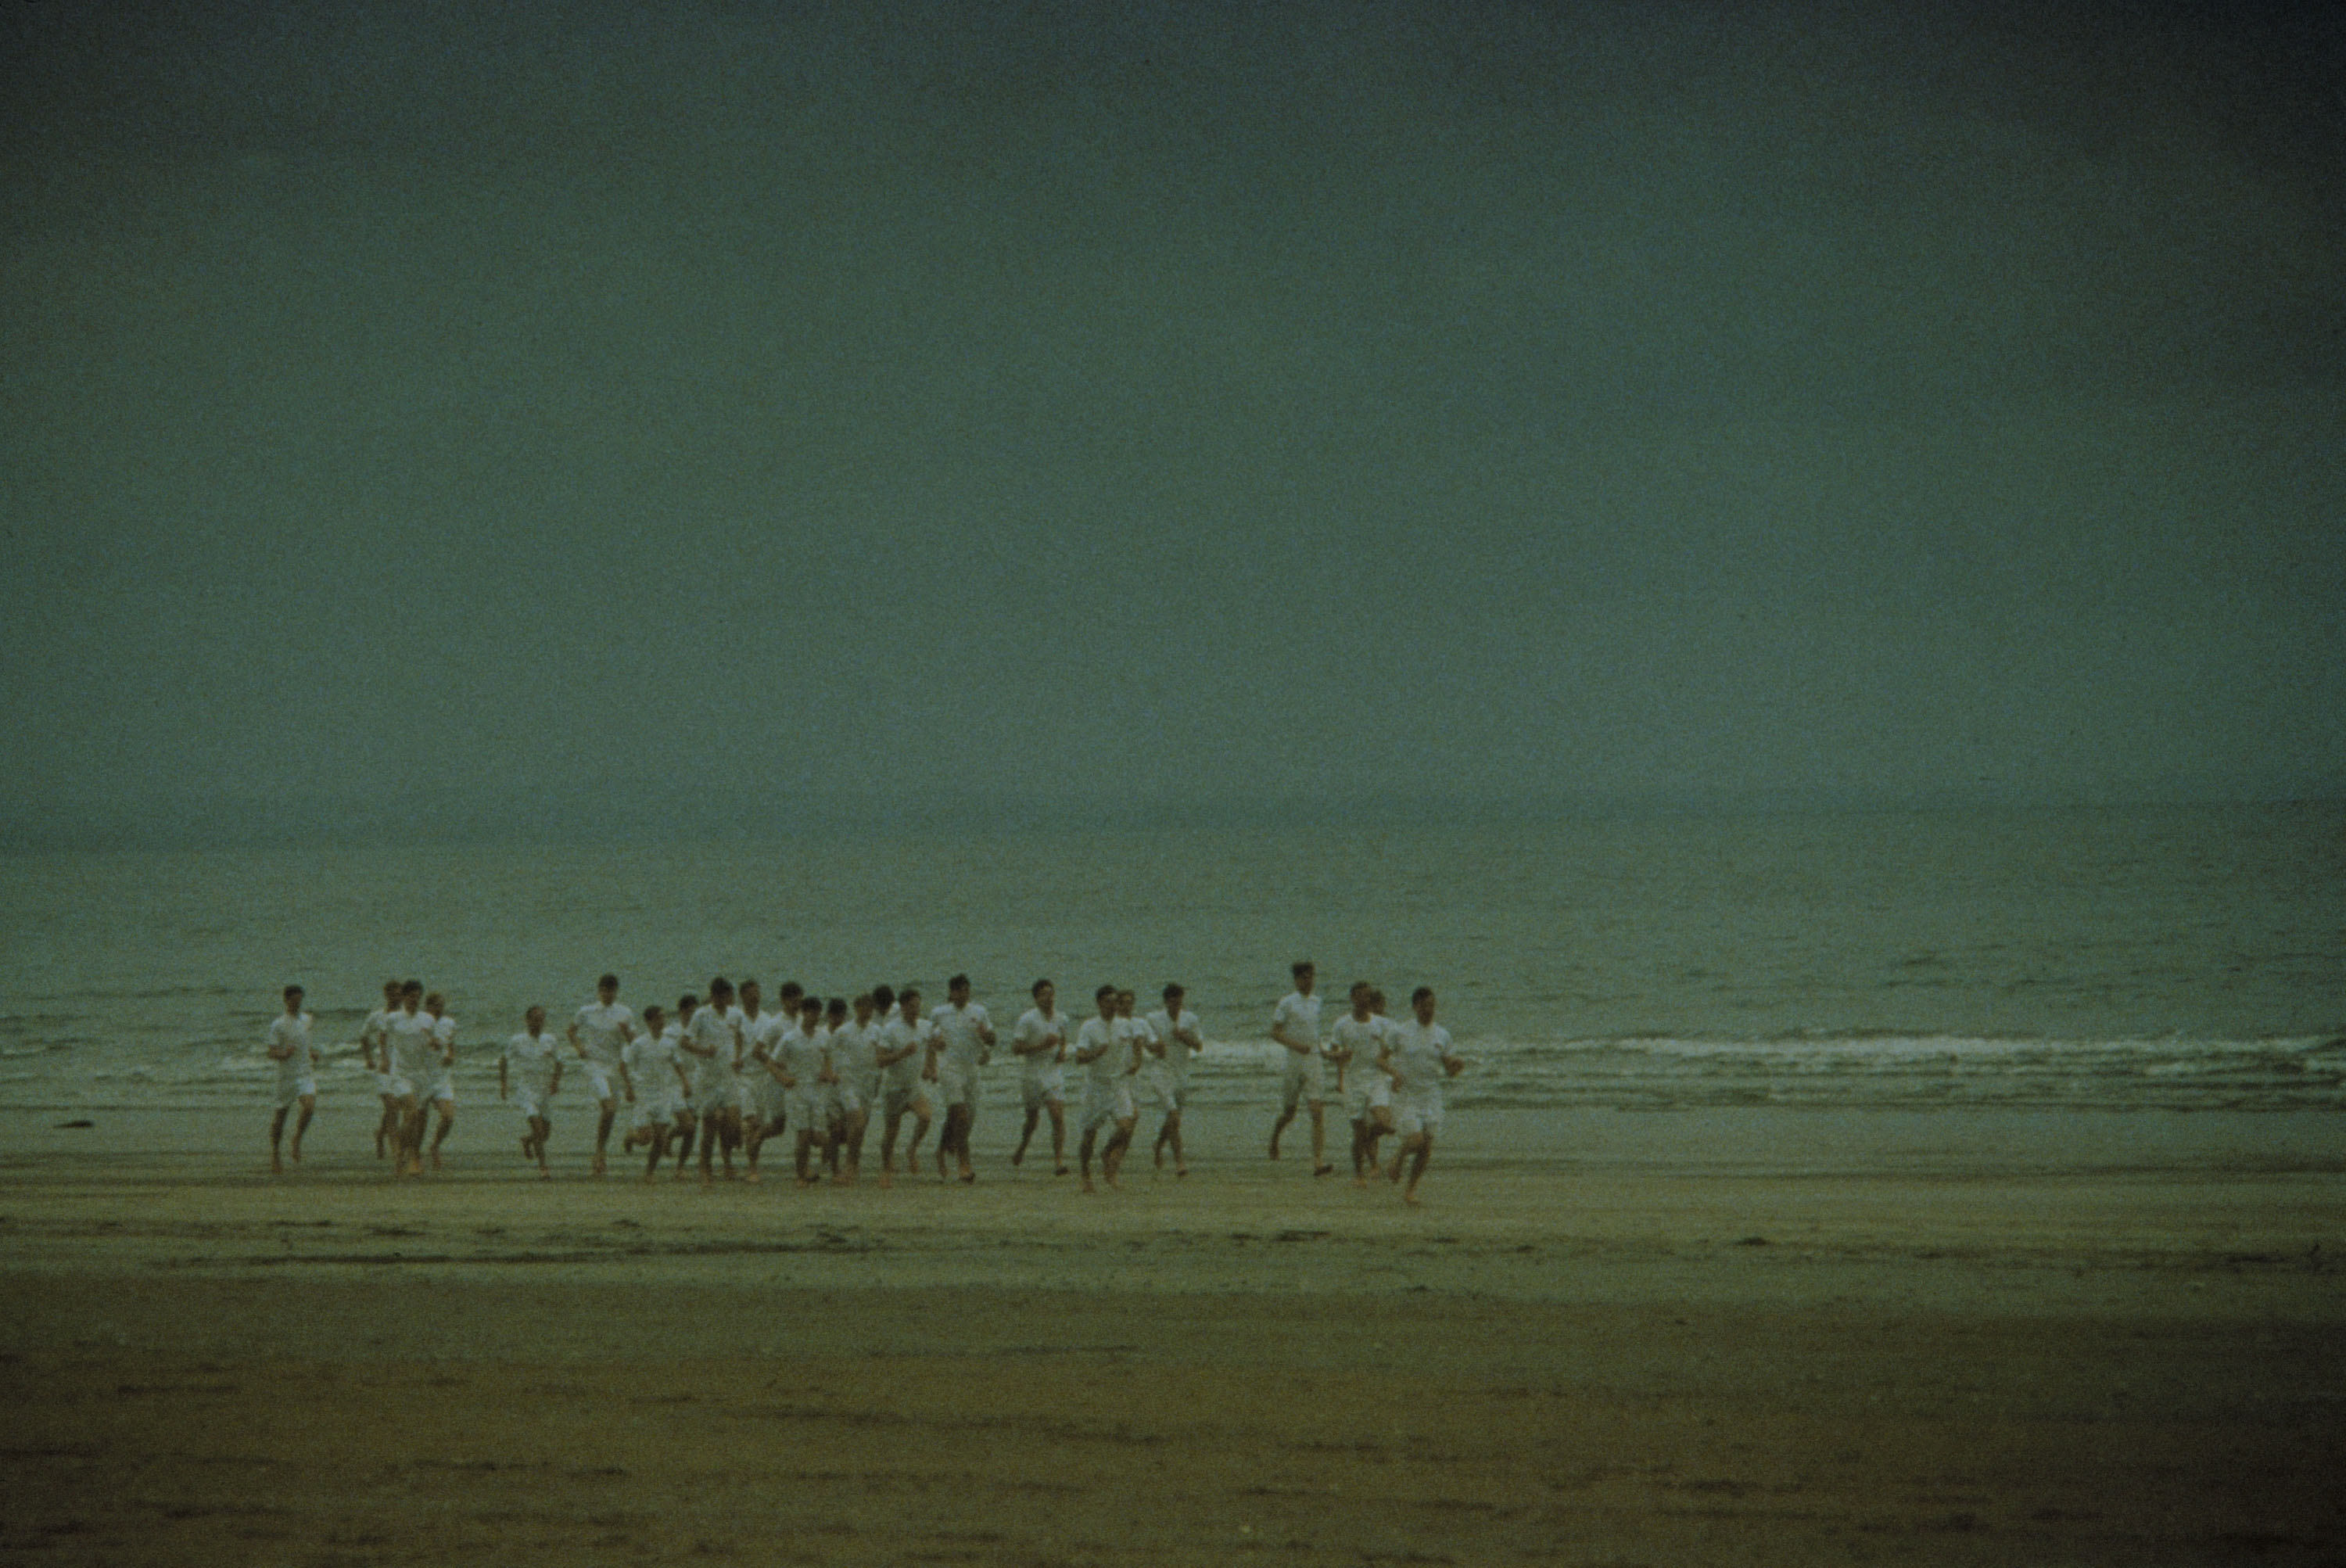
1723 1344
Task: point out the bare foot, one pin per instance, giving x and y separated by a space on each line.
1180 1170
1018 1157
1274 1148
751 1176
276 1165
435 1159
1160 1156
545 1176
970 1178
297 1151
887 1178
1410 1197
1064 1170
598 1167
1324 1170
1361 1181
1087 1185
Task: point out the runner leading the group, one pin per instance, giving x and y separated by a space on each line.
599 1037
1296 1027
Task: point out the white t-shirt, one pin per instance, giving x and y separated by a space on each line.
408 1037
800 1056
1033 1028
1168 1032
530 1060
958 1027
904 1074
764 1032
712 1030
853 1047
1298 1015
285 1030
651 1066
604 1031
1417 1052
1364 1037
1103 1072
372 1037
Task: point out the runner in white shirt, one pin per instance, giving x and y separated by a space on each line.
529 1072
600 1036
1040 1043
688 1117
830 1104
1296 1027
762 1110
659 1090
855 1071
804 1056
1353 1045
1418 1056
441 1091
1173 1039
1381 1112
375 1049
715 1045
1109 1054
407 1044
907 1051
297 1080
968 1036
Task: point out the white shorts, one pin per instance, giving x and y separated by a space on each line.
651 1110
1102 1106
1306 1081
529 1102
763 1096
1161 1087
1046 1088
442 1088
598 1079
803 1109
842 1099
714 1099
292 1089
399 1088
1417 1112
956 1086
1365 1091
383 1083
903 1097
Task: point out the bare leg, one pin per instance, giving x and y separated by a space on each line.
1084 1158
447 1120
1424 1143
1171 1132
1320 1166
387 1127
1026 1135
276 1137
1361 1158
1112 1157
1058 1135
658 1141
603 1135
912 1149
301 1126
688 1133
852 1135
541 1129
753 1136
1286 1114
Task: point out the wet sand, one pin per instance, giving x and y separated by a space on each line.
1605 1360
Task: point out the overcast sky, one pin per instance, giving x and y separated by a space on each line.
415 411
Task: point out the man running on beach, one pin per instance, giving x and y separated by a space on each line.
1173 1039
855 1085
1040 1043
763 1106
906 1046
660 1091
374 1049
600 1036
1296 1027
801 1060
714 1044
297 1081
968 1044
1418 1056
1354 1045
407 1045
1110 1056
441 1092
529 1072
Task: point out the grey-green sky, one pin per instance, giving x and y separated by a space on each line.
621 413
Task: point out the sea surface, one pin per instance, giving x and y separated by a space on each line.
2090 960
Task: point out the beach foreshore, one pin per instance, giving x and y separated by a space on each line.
2124 1347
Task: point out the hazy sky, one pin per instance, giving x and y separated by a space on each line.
623 411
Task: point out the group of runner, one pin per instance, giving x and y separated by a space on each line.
722 1074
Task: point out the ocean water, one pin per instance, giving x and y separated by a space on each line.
2109 960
